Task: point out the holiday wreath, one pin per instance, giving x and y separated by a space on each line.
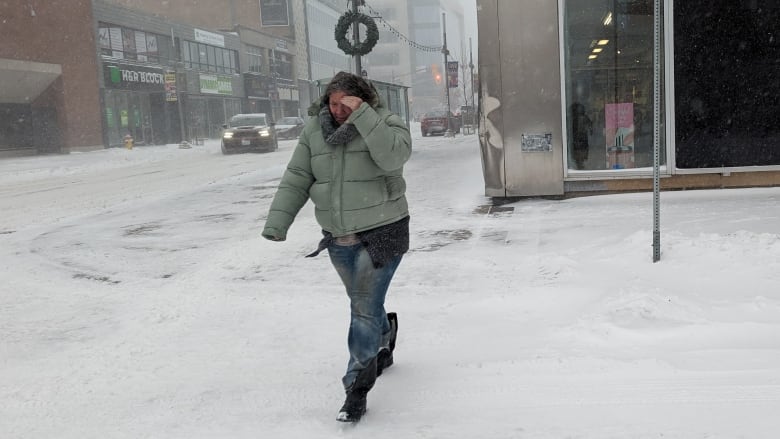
360 48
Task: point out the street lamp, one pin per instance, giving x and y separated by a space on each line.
449 132
274 78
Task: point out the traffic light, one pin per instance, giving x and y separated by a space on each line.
436 73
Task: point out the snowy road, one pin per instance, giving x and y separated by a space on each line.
80 184
137 300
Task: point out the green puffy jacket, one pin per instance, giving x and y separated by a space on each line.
355 187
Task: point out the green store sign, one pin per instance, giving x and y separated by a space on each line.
128 77
216 84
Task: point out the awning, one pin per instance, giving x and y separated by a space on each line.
21 82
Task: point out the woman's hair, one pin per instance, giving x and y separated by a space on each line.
352 85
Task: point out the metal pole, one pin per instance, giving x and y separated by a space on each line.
657 132
471 75
275 97
176 69
356 38
464 121
179 106
449 132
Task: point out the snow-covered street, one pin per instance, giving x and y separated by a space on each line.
138 300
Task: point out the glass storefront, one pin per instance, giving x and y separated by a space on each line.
128 113
699 80
727 83
608 58
395 98
206 115
259 106
134 103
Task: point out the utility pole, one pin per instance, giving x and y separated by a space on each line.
449 132
471 76
179 64
463 76
465 114
274 78
356 37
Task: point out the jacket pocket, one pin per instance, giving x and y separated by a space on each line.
396 187
320 195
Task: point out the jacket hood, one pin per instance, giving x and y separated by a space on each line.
315 107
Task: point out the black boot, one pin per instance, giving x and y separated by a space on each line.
355 405
384 358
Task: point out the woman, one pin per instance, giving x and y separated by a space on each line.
349 161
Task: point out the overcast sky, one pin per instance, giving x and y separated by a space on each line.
470 26
470 19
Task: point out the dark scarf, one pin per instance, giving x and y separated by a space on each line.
333 133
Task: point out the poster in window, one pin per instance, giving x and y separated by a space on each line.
140 44
619 125
116 41
274 13
151 44
110 117
170 86
128 42
103 39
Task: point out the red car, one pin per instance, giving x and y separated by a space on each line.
435 122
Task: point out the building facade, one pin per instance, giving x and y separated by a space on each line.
163 81
428 20
325 58
568 95
390 60
272 65
408 52
49 100
84 74
89 73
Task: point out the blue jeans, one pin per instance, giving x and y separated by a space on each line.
369 329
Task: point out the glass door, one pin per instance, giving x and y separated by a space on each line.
116 115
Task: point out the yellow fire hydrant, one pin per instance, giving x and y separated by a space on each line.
128 141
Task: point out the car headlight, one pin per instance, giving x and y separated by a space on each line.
227 135
264 133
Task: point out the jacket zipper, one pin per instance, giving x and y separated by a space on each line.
340 213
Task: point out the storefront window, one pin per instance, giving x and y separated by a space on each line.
282 65
124 43
254 56
128 113
727 83
203 57
609 84
206 116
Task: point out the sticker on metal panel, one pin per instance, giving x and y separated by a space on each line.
537 143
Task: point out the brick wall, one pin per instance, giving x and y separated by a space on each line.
59 32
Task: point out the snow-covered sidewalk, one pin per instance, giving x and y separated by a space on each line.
138 300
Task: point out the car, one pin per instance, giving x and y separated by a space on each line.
289 127
436 122
248 132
